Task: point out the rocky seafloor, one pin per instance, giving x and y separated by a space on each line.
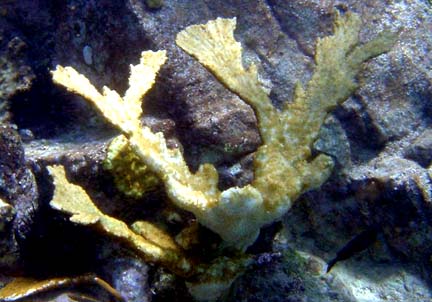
380 140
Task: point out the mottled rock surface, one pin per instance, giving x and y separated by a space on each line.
380 138
17 189
15 73
129 276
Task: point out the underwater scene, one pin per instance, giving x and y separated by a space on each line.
198 150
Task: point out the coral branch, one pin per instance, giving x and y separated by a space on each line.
214 46
121 112
72 199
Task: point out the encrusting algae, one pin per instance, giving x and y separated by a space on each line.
284 166
130 176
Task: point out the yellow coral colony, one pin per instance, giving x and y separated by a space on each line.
284 167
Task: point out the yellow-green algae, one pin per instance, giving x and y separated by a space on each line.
154 4
130 176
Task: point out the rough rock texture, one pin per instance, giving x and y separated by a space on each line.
9 246
288 276
380 138
130 277
300 276
18 189
15 73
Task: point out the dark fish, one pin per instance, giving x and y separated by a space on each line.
354 246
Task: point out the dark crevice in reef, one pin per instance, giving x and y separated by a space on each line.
366 140
54 246
36 111
295 18
51 38
48 112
